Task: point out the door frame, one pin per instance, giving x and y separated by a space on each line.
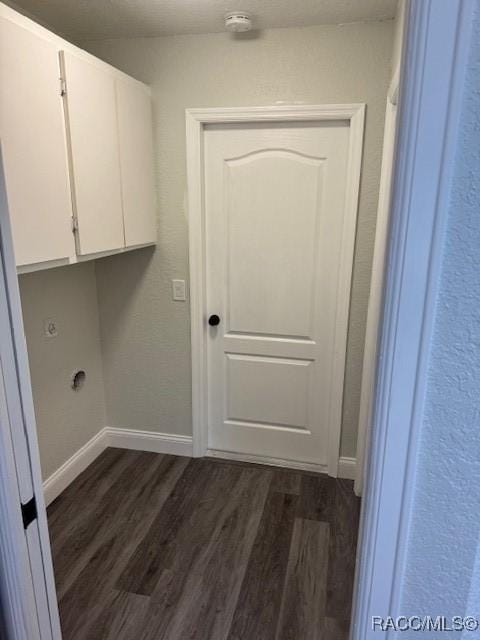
196 119
376 282
437 36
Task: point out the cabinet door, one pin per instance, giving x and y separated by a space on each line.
136 162
32 132
94 154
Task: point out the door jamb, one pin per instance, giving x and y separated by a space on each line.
437 36
196 119
376 282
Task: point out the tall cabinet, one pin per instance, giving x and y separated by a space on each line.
77 145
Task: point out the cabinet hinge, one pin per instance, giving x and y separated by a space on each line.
29 512
63 87
74 224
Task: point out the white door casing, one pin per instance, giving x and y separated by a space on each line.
268 381
375 298
376 283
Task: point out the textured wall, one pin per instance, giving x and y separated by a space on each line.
145 335
66 419
443 568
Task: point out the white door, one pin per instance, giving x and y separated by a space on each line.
32 131
135 132
27 585
275 207
93 134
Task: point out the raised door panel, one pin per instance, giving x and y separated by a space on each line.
136 162
32 133
272 200
94 154
267 392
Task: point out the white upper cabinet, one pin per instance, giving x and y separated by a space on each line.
32 134
77 145
136 161
94 151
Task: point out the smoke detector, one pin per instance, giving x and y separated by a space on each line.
238 21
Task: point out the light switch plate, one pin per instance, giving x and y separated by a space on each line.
178 290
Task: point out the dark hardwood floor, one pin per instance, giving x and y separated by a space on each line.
156 547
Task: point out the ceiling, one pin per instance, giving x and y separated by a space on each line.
98 19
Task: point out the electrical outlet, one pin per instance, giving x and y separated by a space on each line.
178 290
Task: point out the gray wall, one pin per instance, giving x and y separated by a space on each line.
145 336
442 573
66 419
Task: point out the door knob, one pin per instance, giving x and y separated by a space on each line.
214 320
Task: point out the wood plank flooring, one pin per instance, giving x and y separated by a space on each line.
156 547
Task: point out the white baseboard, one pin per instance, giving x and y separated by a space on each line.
112 437
73 467
176 445
149 441
347 468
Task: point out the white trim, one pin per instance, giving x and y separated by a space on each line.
375 298
344 285
173 444
347 467
168 443
73 467
437 37
276 113
196 119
